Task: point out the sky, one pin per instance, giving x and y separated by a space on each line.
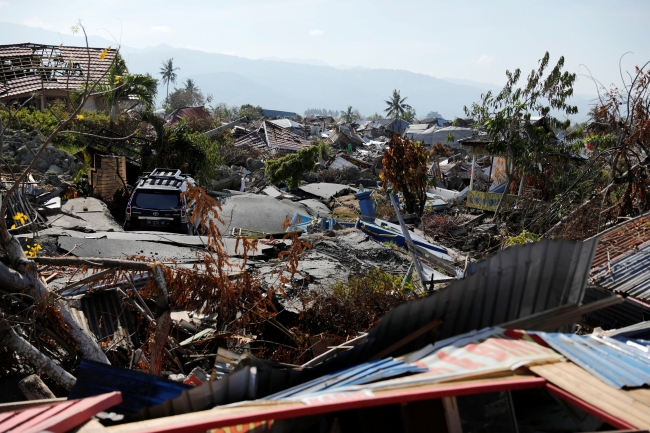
462 39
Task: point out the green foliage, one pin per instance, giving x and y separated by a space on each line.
251 111
290 169
355 305
351 115
168 73
409 115
375 281
525 237
434 115
188 96
396 106
375 116
178 146
122 90
29 119
450 138
507 117
405 168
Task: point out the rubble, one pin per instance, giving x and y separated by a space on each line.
325 299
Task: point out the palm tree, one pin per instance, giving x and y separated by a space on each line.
190 85
168 72
396 105
122 85
350 115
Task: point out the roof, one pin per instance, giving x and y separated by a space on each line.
29 68
281 138
286 123
628 274
627 313
626 408
278 113
618 363
622 239
433 135
57 416
398 126
189 112
252 139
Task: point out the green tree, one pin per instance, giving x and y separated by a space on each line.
405 168
409 116
168 73
178 146
434 115
251 111
122 86
507 117
190 85
351 115
188 96
290 169
375 116
396 105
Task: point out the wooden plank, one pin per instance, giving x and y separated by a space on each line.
80 412
587 387
583 405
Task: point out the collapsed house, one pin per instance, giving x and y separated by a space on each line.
271 136
44 74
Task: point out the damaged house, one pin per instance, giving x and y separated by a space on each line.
273 137
50 73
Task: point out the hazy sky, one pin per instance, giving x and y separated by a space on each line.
475 40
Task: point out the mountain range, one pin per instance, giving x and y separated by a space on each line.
287 84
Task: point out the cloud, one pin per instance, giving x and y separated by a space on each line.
316 32
4 4
484 60
161 29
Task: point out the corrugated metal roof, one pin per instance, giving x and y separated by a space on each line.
515 283
29 68
617 362
278 113
628 274
622 239
359 375
638 330
103 315
626 313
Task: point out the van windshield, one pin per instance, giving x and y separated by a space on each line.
163 200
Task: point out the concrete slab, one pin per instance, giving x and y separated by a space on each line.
84 213
315 207
327 190
257 212
120 248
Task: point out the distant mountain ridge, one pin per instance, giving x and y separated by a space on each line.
290 84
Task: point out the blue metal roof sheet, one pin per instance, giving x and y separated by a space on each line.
629 274
617 362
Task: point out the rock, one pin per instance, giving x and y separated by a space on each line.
55 169
22 150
